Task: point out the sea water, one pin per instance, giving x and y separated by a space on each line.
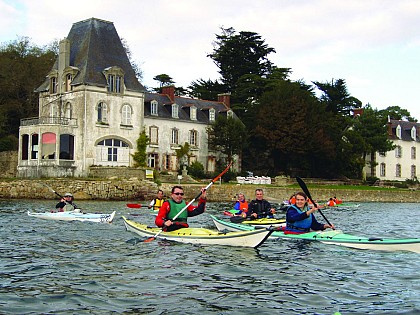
54 267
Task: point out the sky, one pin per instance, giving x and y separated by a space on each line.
372 44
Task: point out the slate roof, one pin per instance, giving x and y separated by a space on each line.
95 46
406 127
165 107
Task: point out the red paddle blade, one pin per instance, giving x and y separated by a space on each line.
149 239
133 205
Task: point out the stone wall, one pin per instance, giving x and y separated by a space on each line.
8 164
140 190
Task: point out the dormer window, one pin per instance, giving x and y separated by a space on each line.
69 78
413 133
212 114
193 113
154 108
115 79
53 85
175 111
229 114
398 132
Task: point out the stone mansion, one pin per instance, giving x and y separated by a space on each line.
92 110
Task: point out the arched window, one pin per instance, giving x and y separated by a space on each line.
66 147
69 78
48 145
25 147
102 113
68 110
113 152
126 115
34 146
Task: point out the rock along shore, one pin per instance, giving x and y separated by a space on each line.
141 190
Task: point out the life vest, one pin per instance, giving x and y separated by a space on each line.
331 203
69 207
242 205
157 203
299 226
175 208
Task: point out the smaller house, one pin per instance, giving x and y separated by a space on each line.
401 163
172 121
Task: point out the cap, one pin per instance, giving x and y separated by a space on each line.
68 195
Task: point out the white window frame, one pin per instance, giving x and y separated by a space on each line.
175 111
413 133
154 108
193 113
398 151
175 136
383 170
154 135
102 111
126 112
398 170
212 114
398 132
193 139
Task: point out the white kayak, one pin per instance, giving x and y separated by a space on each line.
74 216
201 235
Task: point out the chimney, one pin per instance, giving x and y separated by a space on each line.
389 127
63 61
357 112
224 98
170 91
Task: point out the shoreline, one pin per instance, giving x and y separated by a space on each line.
134 189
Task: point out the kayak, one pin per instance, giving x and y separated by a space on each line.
74 216
333 237
254 238
260 223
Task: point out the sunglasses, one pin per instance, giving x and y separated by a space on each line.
179 194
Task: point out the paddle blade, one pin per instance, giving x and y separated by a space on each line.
134 205
150 239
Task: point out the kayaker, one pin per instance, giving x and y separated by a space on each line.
300 218
66 203
259 207
157 202
241 205
171 207
331 203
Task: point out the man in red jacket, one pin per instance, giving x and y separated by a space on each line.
176 204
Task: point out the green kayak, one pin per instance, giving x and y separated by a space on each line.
334 237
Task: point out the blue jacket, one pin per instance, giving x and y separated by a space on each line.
298 221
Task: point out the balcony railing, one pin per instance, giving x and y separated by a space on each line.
49 121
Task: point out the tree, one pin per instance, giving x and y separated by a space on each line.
292 125
140 156
238 54
397 113
205 90
227 135
136 67
372 129
182 154
164 80
23 66
337 98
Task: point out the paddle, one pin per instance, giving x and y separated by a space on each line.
306 191
198 196
134 205
74 206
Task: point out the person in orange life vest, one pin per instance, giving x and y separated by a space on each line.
158 201
292 199
331 203
241 205
337 201
300 218
171 207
